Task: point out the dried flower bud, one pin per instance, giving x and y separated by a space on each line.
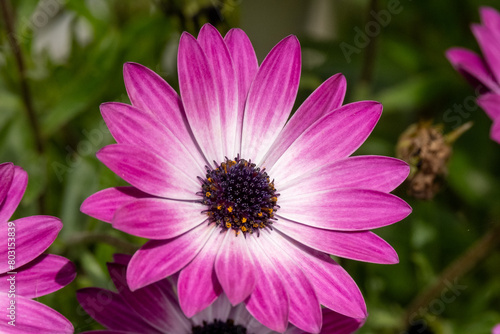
427 150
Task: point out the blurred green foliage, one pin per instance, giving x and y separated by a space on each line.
403 67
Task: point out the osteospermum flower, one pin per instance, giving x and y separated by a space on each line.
155 309
483 73
235 198
25 272
496 329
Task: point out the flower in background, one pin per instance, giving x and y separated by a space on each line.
237 199
483 73
496 329
25 272
155 309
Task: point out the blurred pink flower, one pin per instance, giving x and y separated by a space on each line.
483 73
25 272
260 224
496 329
155 309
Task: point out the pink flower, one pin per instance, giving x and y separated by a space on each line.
483 73
155 309
25 272
496 329
258 224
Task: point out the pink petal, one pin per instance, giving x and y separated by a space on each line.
122 259
470 65
198 286
495 131
31 317
270 99
245 66
333 285
344 209
157 218
6 176
149 92
156 303
327 97
44 275
110 310
133 126
13 196
149 172
225 88
334 136
235 268
200 98
103 204
158 259
33 235
305 311
490 46
338 323
269 301
362 246
491 104
364 172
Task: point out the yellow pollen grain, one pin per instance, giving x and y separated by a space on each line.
255 225
219 207
230 209
228 225
210 180
244 220
259 214
243 228
208 194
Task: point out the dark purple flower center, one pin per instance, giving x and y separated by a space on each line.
219 327
239 196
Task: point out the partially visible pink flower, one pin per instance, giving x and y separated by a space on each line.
496 329
237 199
483 72
155 309
25 272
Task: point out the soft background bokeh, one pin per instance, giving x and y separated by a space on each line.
74 51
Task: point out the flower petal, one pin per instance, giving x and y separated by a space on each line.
305 311
198 286
133 126
44 275
472 66
14 195
200 97
157 218
363 172
158 259
103 204
32 317
33 235
6 176
245 66
270 98
225 88
333 285
334 136
327 97
344 209
338 323
156 303
362 246
149 172
491 104
110 310
235 268
269 301
490 46
149 92
491 19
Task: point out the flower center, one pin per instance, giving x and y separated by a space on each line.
218 327
239 196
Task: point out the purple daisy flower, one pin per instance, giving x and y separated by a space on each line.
496 329
25 272
155 309
236 198
483 73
